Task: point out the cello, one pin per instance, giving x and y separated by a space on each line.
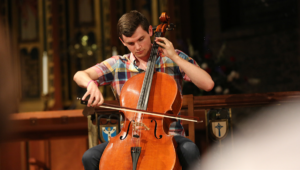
143 143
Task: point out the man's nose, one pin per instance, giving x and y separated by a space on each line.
138 46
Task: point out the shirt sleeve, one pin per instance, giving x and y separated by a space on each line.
105 70
189 59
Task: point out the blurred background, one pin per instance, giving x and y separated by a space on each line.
246 46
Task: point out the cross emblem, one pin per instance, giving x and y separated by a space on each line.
219 127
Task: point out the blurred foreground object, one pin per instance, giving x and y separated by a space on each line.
269 140
8 92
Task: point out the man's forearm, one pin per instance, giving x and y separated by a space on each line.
81 78
197 75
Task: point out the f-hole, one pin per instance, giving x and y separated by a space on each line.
121 137
160 136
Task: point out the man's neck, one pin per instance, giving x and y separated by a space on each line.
145 58
141 63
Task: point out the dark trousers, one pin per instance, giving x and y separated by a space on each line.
187 151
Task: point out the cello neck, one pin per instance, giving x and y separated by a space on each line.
143 99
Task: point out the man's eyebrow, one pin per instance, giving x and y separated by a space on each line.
132 42
142 36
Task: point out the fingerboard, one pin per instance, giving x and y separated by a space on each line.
146 87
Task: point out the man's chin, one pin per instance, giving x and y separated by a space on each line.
140 55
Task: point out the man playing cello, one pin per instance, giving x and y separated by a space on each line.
135 33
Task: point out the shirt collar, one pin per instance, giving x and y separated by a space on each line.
132 58
132 66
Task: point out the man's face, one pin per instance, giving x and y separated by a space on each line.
139 43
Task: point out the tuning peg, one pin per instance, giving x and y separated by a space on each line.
170 29
172 25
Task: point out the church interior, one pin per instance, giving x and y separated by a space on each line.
249 48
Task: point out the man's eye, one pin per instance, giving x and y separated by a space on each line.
141 39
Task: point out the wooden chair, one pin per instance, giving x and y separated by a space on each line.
93 118
94 128
92 132
189 127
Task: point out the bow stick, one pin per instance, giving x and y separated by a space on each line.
177 117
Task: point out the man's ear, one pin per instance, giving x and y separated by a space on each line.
150 30
122 41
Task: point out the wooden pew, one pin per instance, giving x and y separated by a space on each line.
47 125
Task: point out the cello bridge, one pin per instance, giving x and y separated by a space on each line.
136 125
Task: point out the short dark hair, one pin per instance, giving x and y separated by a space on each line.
130 21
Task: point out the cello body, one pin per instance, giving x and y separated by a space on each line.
143 143
157 148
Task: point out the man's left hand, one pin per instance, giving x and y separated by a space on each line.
166 47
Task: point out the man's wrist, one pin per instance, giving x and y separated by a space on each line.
176 58
95 81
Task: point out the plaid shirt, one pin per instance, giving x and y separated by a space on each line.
116 70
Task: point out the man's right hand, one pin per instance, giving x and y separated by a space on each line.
96 97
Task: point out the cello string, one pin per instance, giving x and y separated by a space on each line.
143 100
150 69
